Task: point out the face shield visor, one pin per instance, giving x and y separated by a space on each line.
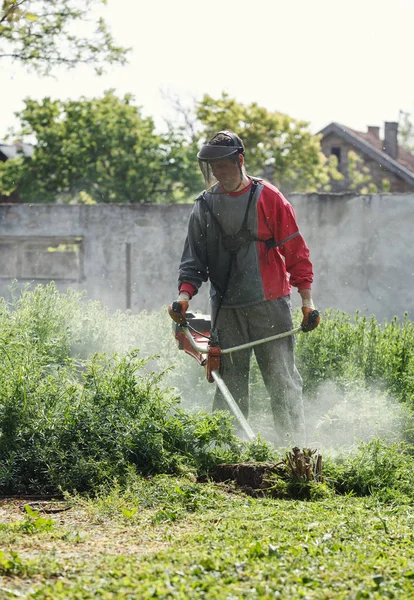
221 164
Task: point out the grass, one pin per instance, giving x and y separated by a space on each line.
129 433
199 541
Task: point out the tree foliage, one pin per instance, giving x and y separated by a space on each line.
103 150
99 150
41 35
406 131
280 148
359 177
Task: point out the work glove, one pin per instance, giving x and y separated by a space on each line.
311 316
177 309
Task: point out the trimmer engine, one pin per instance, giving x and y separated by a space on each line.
199 326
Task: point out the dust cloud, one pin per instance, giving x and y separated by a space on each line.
337 416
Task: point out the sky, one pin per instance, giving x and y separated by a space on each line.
315 60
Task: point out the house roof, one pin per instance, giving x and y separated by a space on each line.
372 146
13 150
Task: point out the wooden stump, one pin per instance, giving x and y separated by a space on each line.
259 479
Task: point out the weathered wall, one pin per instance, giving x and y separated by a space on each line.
127 255
362 249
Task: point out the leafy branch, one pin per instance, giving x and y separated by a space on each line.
41 34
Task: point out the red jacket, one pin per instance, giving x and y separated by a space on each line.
257 273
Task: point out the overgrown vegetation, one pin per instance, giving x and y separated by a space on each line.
358 349
72 418
73 423
75 420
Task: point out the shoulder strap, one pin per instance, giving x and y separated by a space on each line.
201 196
213 216
215 219
252 192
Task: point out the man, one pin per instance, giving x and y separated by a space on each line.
243 237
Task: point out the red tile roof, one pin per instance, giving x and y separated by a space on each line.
404 158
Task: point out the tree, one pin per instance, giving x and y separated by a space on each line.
96 150
406 131
182 178
280 148
41 35
103 150
359 177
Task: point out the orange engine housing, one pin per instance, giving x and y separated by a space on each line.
201 323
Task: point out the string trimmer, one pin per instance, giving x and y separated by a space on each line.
194 337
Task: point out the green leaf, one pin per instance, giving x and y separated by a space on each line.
31 16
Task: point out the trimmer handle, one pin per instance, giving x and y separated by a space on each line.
175 310
313 321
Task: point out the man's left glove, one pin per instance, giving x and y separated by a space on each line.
311 316
177 309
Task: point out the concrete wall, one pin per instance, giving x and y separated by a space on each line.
127 255
362 249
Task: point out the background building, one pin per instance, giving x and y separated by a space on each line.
383 158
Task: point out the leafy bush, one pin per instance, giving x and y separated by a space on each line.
74 423
376 468
61 433
346 349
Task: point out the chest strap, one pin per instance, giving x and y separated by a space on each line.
234 242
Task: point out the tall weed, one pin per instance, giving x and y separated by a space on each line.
75 418
345 349
72 422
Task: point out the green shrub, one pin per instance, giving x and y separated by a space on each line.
375 468
72 418
72 422
68 434
359 349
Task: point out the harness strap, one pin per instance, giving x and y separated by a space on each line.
272 243
245 235
233 254
233 244
215 219
244 223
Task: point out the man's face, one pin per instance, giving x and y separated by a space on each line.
227 172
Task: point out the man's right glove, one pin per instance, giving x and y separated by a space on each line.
177 309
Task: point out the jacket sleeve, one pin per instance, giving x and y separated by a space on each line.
194 264
294 249
279 218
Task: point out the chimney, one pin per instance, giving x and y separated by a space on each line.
374 131
390 146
